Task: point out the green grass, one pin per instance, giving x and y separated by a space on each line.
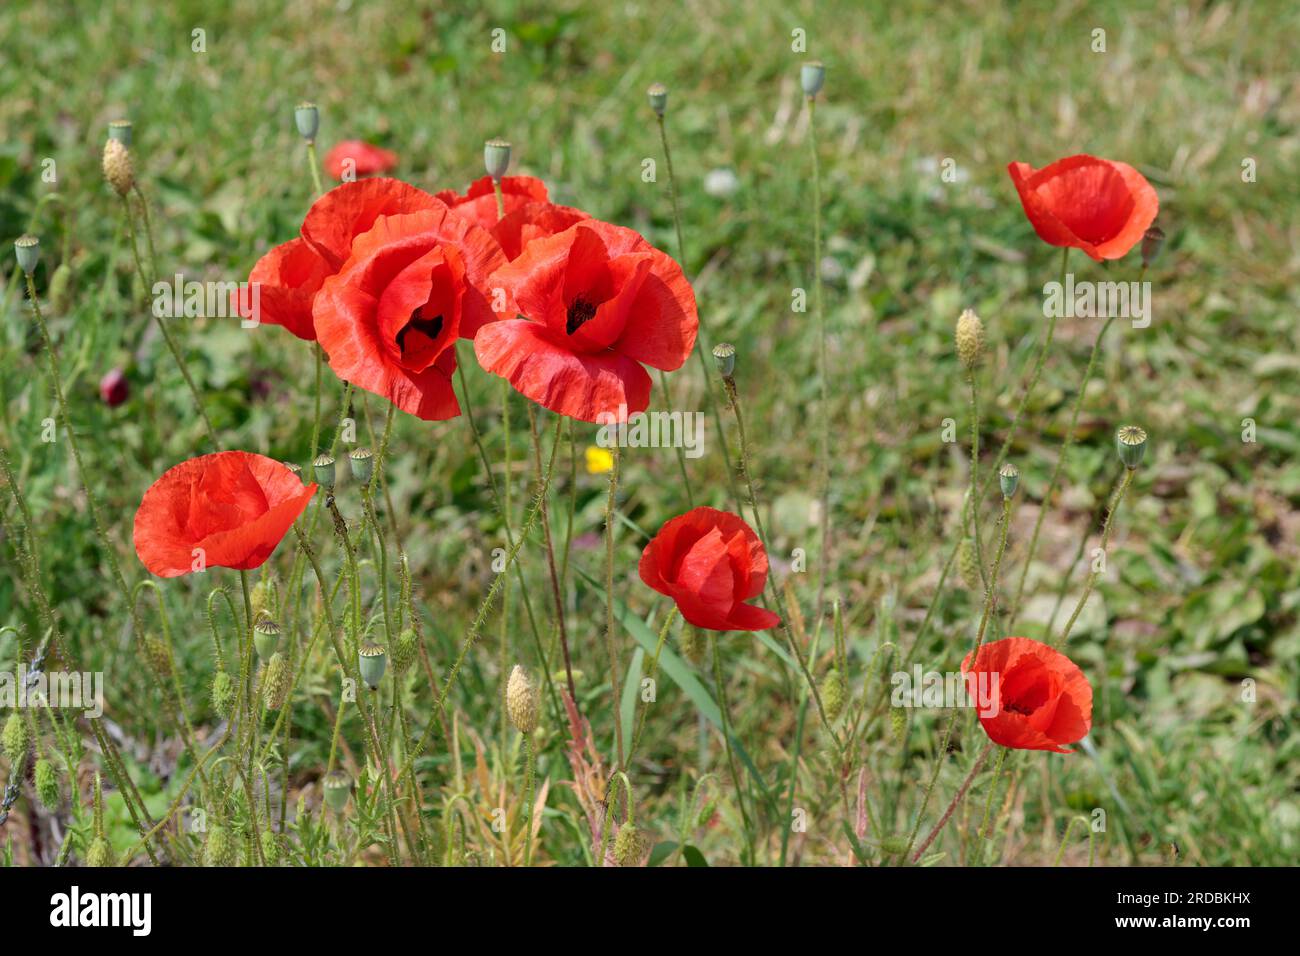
1202 590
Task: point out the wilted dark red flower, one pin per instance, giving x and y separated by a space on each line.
114 388
1037 698
289 276
710 563
598 301
226 510
409 287
359 158
479 202
1083 202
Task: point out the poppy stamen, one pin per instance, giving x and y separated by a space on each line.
580 313
429 327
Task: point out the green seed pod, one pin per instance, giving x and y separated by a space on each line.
47 783
970 569
692 644
323 466
894 845
834 689
270 847
1132 444
496 157
100 853
629 845
306 117
266 637
15 739
27 249
362 461
372 660
658 95
275 682
404 651
812 76
724 354
970 339
160 660
122 131
221 848
1009 479
1152 240
223 693
337 786
523 702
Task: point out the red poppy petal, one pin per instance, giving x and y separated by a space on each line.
747 617
581 386
286 280
358 157
663 321
349 210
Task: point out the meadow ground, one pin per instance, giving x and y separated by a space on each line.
1192 639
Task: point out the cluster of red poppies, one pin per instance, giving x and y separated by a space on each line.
569 309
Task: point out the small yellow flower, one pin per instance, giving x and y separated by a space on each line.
599 460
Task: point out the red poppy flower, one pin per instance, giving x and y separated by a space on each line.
534 220
390 317
359 158
1083 202
479 202
1038 699
226 510
710 563
598 301
289 276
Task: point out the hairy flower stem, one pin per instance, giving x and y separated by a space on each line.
823 409
974 491
530 777
983 832
653 675
611 647
956 799
250 715
148 228
702 344
503 650
724 711
314 165
556 595
991 590
1106 529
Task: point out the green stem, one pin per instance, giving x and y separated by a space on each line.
824 452
724 711
314 165
956 799
653 674
1106 528
611 647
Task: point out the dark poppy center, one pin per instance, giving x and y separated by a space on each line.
430 328
580 313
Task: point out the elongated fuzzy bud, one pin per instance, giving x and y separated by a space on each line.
160 658
118 169
270 847
223 693
523 702
275 682
27 250
404 651
970 569
692 644
897 723
220 848
970 339
833 692
629 845
262 599
15 739
99 853
47 783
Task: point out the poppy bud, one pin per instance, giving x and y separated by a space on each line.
160 658
658 94
100 853
220 848
724 354
307 118
692 645
522 701
266 636
832 693
60 283
337 785
1009 479
14 738
275 682
260 599
1132 444
897 723
324 468
970 569
372 660
404 651
970 339
223 693
363 464
894 845
113 388
811 76
629 845
496 157
47 783
1152 240
118 169
270 847
28 251
121 131
294 467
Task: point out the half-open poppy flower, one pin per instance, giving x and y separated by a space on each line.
710 563
534 220
390 317
1083 202
226 510
356 158
479 202
1036 698
289 276
598 301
